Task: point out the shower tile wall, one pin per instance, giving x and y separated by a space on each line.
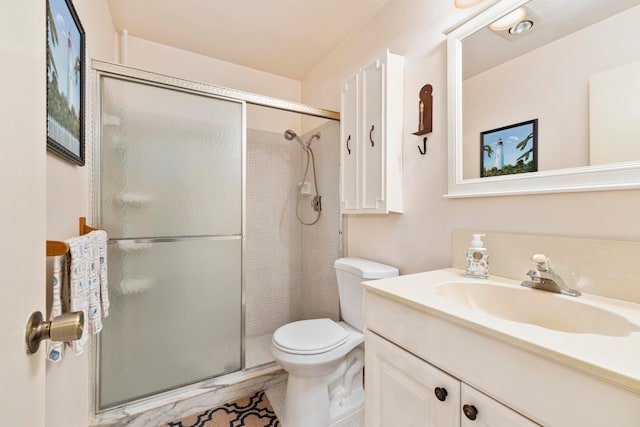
272 251
288 267
320 243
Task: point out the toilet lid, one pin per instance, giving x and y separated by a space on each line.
310 336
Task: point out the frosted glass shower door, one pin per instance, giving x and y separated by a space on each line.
171 196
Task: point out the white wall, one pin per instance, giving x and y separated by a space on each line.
420 239
173 62
150 56
613 115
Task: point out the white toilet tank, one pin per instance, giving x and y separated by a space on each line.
351 272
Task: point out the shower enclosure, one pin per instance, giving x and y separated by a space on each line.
200 193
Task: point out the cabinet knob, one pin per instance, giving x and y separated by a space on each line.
348 149
470 412
441 393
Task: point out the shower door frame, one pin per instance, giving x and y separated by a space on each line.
102 69
182 87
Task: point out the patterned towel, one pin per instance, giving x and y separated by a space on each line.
55 349
85 290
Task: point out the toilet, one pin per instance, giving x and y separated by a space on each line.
324 358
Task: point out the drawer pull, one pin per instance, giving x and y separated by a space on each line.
470 412
441 393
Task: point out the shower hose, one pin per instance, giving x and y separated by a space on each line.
315 203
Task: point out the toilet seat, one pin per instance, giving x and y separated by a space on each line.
313 336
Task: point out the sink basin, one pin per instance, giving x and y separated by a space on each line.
536 307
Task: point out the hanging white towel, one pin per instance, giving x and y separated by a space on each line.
86 289
55 349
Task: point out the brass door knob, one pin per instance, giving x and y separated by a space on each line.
66 327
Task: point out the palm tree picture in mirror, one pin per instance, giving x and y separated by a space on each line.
509 150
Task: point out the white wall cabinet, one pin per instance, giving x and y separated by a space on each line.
371 138
403 389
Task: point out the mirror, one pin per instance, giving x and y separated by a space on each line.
571 66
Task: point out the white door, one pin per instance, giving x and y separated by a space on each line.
404 390
373 77
349 148
22 208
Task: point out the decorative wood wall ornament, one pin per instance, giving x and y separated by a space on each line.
425 119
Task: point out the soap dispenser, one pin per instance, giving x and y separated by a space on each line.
477 259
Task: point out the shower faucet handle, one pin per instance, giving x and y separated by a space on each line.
316 203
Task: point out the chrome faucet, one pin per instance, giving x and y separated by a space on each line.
544 278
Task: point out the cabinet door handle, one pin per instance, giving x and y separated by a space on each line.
348 149
370 136
441 393
470 412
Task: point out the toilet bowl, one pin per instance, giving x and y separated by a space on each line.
324 358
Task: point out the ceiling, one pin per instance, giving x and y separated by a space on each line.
555 19
284 37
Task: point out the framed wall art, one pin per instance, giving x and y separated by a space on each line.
509 150
65 81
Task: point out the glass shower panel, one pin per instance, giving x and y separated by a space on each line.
177 158
175 316
171 199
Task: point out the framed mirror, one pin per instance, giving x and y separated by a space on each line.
573 67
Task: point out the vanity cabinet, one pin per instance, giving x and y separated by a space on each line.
403 389
480 410
411 349
400 389
371 138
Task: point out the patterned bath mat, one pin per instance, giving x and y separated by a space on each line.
253 411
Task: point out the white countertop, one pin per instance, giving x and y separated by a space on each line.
615 359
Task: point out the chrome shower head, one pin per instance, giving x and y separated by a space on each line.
290 135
